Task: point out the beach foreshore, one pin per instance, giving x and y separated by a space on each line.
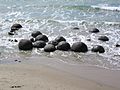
43 73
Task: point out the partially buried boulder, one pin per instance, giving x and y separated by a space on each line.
39 44
15 27
103 38
94 30
60 38
36 33
98 48
79 47
25 44
63 45
53 42
41 38
49 48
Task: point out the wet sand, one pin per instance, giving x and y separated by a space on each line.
42 73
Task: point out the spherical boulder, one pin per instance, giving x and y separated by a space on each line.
36 33
25 44
98 48
41 37
94 30
103 38
49 48
39 44
63 45
60 38
53 42
79 47
15 27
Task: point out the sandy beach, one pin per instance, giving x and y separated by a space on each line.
52 74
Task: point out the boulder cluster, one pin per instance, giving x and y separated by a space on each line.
39 40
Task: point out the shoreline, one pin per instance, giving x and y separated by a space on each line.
37 72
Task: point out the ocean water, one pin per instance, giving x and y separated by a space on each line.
59 17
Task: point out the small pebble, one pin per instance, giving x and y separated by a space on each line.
15 40
16 86
94 30
117 45
16 60
88 39
19 61
76 28
10 33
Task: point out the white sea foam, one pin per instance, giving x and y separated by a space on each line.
106 7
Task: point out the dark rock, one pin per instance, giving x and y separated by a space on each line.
94 30
15 27
19 61
60 38
36 33
15 40
79 47
117 45
76 28
10 33
32 39
16 60
25 44
88 39
103 38
49 48
39 44
16 86
63 45
98 48
41 37
53 42
10 40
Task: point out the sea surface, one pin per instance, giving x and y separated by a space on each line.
59 17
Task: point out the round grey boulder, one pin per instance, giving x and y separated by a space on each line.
39 44
25 44
36 33
98 48
103 38
41 38
79 47
15 27
94 30
63 45
49 48
60 38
